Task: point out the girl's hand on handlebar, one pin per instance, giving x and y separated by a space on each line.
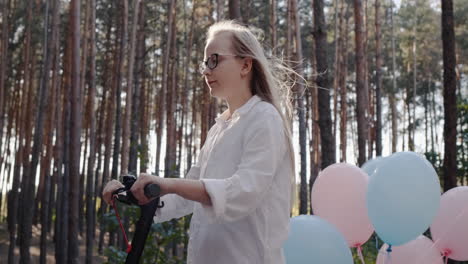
145 179
109 189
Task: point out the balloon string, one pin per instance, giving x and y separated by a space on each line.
359 251
446 253
389 257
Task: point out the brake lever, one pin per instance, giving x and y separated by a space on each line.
124 194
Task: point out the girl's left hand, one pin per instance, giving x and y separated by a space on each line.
145 179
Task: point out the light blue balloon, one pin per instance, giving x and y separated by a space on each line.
403 197
371 165
313 240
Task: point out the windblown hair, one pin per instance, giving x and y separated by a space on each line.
272 80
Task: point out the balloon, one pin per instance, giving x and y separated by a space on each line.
419 251
403 197
450 227
371 165
339 196
314 240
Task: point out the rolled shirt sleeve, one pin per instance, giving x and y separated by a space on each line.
240 194
174 205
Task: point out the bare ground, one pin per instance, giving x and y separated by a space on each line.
35 251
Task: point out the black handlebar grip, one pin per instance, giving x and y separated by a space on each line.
152 190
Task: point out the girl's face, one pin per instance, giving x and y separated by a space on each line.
221 68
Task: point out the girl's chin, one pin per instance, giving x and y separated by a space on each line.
216 93
217 96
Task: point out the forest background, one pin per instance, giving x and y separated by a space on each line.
93 89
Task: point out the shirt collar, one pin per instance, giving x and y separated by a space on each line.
244 109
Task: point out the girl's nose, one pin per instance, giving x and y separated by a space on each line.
206 71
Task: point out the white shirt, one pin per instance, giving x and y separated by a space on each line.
246 169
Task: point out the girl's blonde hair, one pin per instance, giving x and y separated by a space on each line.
272 80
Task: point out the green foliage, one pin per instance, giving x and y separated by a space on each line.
162 241
462 143
370 250
115 255
436 158
460 13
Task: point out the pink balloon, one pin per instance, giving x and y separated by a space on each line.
339 196
418 251
450 227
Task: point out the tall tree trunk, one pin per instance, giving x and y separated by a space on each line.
57 127
75 133
145 108
139 122
289 37
164 81
195 108
408 111
13 110
171 145
315 142
336 64
109 121
63 156
412 124
29 121
392 95
426 119
234 10
3 68
378 81
119 77
186 88
63 241
299 90
14 195
59 155
361 85
205 115
85 119
405 109
129 97
450 100
157 115
344 88
219 9
101 117
432 115
323 85
24 235
90 187
13 211
49 54
370 92
46 176
273 19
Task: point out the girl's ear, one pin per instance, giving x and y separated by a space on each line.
246 66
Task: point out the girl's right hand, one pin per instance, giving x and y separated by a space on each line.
111 187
